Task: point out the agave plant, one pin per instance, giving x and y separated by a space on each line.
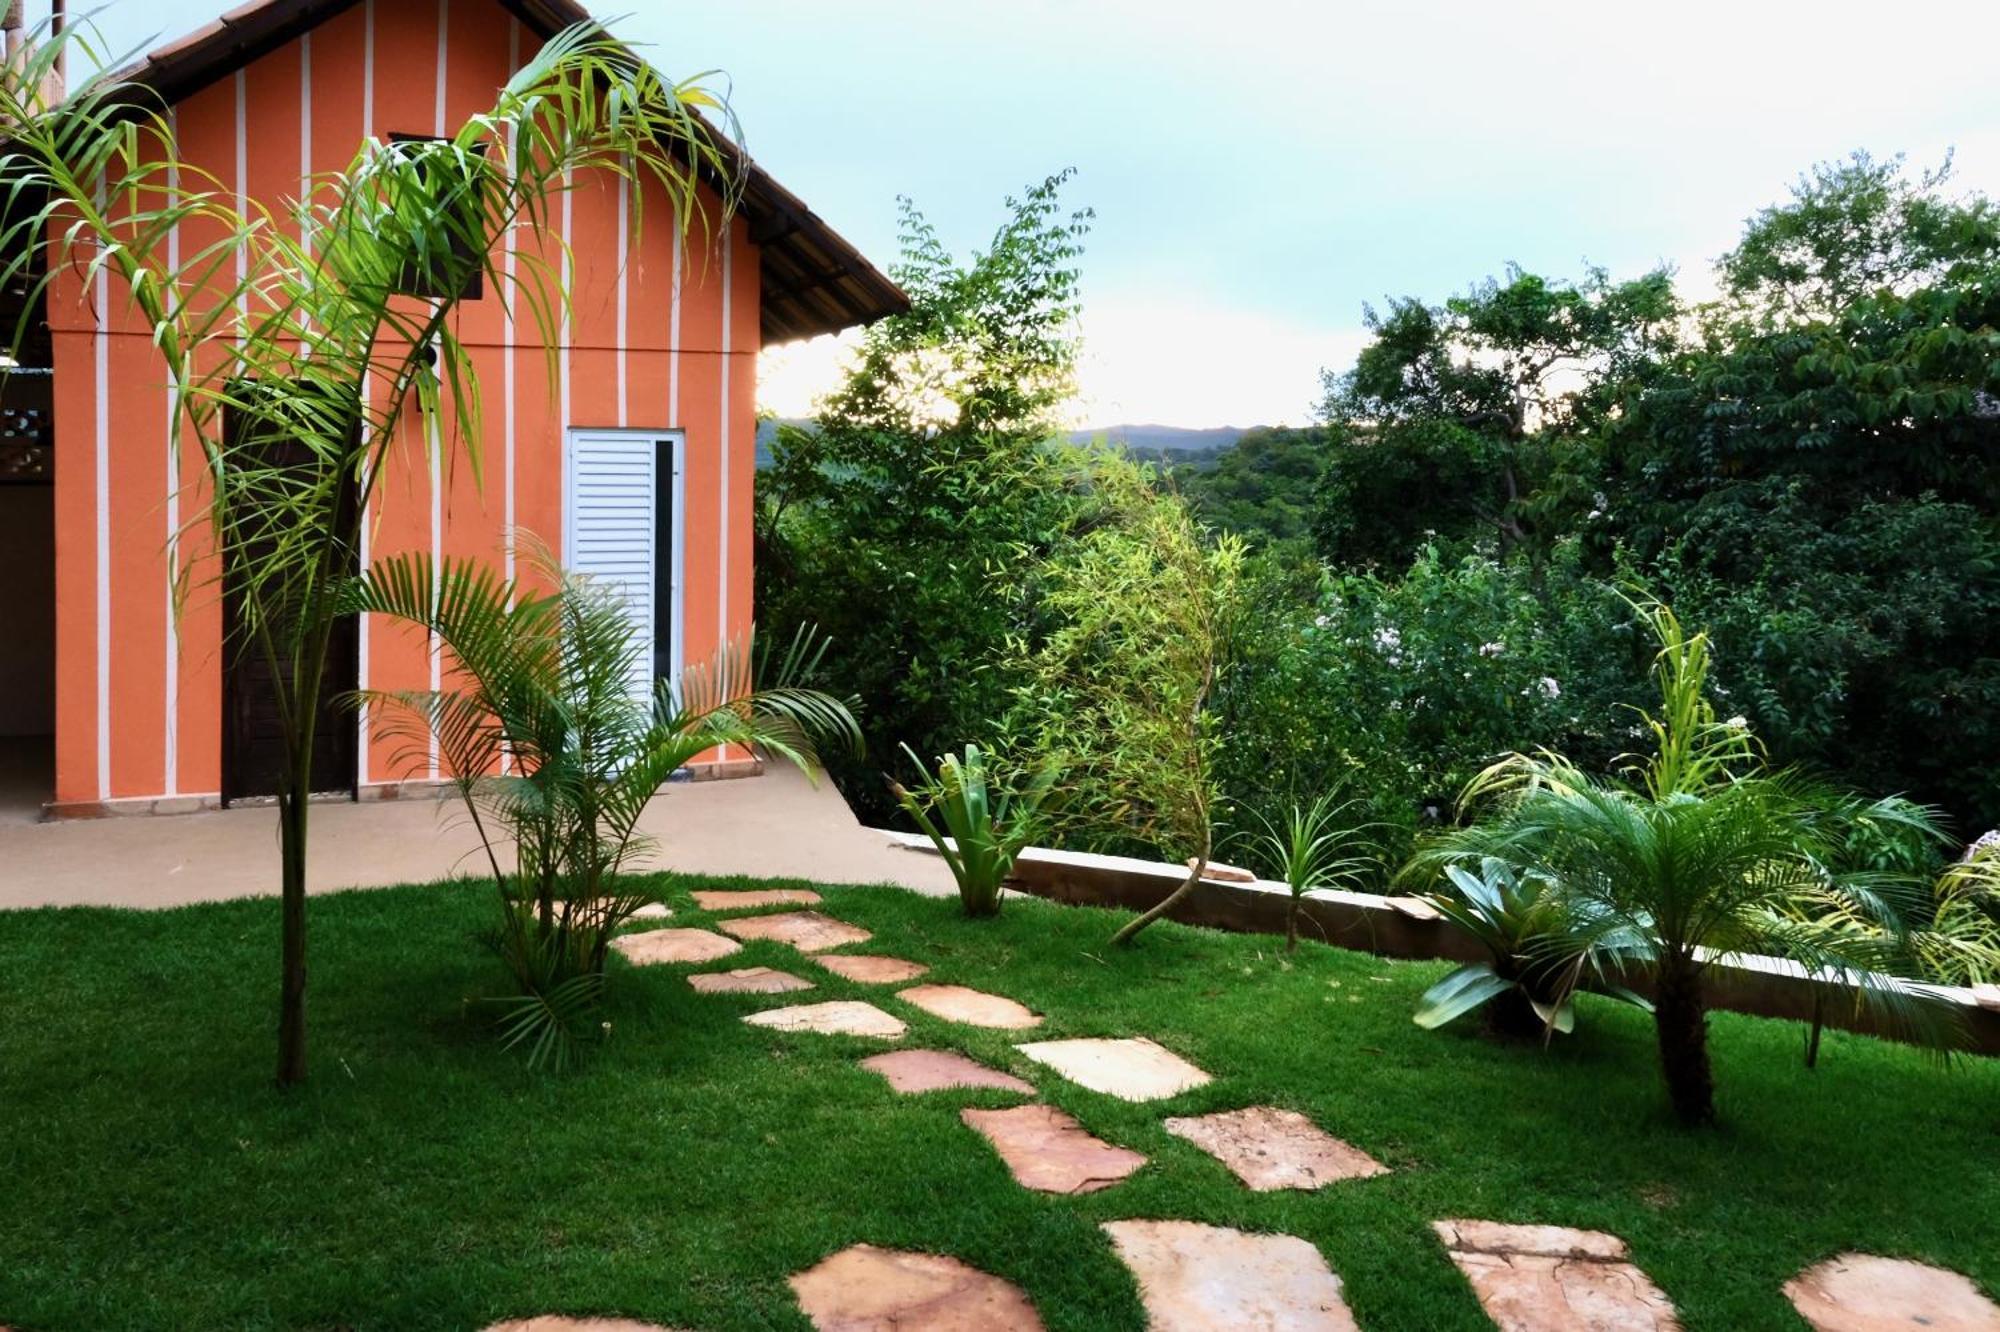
985 825
1529 986
1316 846
555 759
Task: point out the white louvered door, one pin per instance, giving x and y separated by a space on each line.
617 531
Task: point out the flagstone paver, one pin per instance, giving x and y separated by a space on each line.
1048 1151
913 1071
1268 1148
1132 1069
652 911
975 1008
1553 1279
559 1323
738 899
648 947
1197 1278
866 1289
870 968
1860 1292
748 980
807 931
839 1017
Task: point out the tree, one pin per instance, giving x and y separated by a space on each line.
1460 404
1698 852
1144 607
908 518
311 353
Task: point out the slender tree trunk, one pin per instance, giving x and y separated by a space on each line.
1812 1034
1166 904
292 912
1680 1018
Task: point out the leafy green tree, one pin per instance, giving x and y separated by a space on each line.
304 339
1461 405
1263 487
1145 607
908 517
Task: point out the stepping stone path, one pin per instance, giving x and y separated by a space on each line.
559 1323
749 980
1196 1278
807 931
652 911
869 969
975 1008
866 1289
1132 1070
1553 1279
1050 1152
913 1071
649 947
737 899
1859 1292
1269 1148
840 1017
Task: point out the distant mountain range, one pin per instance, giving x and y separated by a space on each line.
1159 443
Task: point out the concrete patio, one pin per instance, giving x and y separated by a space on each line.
778 825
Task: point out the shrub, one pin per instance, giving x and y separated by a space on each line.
985 824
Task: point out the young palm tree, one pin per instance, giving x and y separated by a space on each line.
295 326
551 752
1700 853
1316 845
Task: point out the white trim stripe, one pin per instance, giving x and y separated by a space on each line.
436 436
624 280
361 635
101 353
674 330
171 760
722 562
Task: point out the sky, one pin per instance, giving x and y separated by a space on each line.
1262 170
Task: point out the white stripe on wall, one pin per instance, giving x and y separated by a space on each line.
624 277
674 331
507 322
436 441
728 355
101 351
367 402
569 288
305 138
173 655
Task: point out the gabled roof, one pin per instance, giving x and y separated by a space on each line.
813 281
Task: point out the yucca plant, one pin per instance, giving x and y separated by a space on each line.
985 824
1528 987
555 759
1698 851
290 317
1316 845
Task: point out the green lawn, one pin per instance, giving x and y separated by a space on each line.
153 1178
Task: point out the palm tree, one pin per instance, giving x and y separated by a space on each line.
1316 845
552 752
293 326
1700 852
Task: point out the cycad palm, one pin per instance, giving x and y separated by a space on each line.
1696 850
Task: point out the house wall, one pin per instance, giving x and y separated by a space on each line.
659 337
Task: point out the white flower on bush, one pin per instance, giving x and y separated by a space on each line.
1547 687
1491 649
1738 723
1388 638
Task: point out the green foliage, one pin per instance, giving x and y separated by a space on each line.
1316 845
1144 609
1698 852
1263 487
910 517
985 824
1402 689
551 753
1529 986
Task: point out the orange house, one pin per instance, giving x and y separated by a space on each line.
635 459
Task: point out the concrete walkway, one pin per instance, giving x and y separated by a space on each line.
778 825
